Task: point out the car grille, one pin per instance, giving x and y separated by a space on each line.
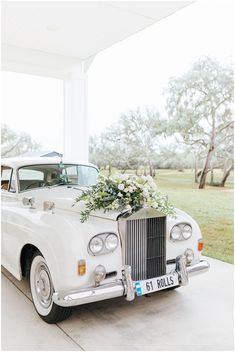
144 247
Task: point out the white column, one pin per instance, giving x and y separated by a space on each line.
75 115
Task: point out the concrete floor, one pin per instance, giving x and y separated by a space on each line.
197 317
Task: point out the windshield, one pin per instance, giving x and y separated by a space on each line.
36 176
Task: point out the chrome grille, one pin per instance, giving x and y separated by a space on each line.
144 247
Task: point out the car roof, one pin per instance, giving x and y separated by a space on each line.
17 162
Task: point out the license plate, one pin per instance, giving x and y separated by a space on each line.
156 284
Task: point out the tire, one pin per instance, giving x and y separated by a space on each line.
42 290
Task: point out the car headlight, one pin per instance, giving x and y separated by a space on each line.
187 231
103 243
189 255
175 233
181 232
111 242
96 245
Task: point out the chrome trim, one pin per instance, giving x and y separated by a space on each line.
29 201
129 285
181 225
181 269
103 236
123 288
143 243
199 268
88 295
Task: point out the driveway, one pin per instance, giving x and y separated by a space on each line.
196 317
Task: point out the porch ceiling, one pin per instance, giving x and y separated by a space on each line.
73 30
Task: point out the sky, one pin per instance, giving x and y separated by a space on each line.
130 74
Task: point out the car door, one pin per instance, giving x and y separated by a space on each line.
9 197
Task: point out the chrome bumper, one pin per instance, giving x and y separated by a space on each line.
199 268
89 295
123 288
185 272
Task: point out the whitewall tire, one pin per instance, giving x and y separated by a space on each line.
42 291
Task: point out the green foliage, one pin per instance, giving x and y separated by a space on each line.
200 110
131 142
212 208
123 193
200 121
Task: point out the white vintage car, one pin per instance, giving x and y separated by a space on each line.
111 254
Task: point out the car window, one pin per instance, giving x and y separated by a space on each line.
87 176
30 178
5 177
12 187
48 175
29 174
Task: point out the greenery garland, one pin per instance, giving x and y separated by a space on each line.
122 192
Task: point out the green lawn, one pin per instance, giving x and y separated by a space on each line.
212 208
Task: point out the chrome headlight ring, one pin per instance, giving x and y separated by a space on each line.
181 232
103 243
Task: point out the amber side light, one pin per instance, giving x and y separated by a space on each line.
81 267
200 245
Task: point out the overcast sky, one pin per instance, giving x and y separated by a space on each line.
129 74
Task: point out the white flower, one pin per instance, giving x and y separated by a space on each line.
126 190
121 186
120 195
145 192
130 189
153 185
128 207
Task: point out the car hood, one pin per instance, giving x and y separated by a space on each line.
64 198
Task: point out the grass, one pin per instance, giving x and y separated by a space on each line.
211 207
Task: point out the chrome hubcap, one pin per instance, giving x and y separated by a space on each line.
42 284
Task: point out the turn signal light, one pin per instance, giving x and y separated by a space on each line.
200 245
81 267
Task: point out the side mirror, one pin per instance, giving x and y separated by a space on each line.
29 201
49 206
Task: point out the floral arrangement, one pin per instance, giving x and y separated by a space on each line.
122 192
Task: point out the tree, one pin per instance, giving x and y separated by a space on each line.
199 106
131 142
141 132
14 144
223 157
174 156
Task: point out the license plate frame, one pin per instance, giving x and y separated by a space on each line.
155 284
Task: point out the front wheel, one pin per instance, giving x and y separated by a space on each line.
42 290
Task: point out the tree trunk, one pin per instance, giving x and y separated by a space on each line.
195 171
150 170
206 168
197 175
212 177
225 176
207 165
